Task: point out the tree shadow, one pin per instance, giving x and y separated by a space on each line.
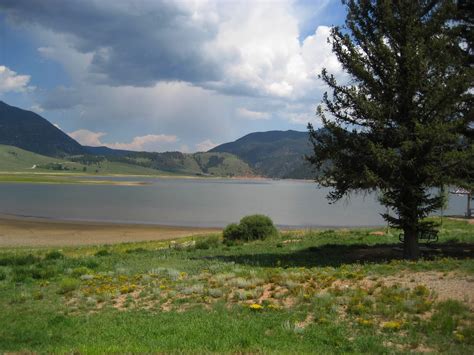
337 255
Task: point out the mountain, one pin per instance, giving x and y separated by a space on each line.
205 164
29 131
277 154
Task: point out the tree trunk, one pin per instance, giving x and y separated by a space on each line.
410 244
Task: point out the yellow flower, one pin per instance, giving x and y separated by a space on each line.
365 322
392 325
458 336
255 307
273 306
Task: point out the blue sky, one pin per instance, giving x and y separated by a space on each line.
161 75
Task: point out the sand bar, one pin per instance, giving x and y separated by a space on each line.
18 231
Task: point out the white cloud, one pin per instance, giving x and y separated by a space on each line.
197 74
205 145
86 137
252 115
10 81
150 142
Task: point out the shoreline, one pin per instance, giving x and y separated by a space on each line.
76 178
19 231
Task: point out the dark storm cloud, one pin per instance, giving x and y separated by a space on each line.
135 44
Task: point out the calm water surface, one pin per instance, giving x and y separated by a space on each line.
195 202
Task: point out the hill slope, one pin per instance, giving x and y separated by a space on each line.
277 154
27 130
216 164
13 159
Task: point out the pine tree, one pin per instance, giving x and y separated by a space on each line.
402 125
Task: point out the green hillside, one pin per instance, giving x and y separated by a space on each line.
277 154
212 164
13 159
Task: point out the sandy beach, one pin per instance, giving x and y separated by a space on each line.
25 231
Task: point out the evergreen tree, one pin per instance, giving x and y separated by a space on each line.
402 125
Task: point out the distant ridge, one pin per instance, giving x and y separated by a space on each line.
274 154
106 151
30 131
277 154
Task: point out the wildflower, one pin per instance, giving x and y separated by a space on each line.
273 306
365 322
392 325
255 307
458 336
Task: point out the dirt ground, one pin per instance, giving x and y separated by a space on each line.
19 231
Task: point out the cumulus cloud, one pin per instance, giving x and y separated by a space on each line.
194 69
252 115
239 48
205 145
150 142
86 137
10 81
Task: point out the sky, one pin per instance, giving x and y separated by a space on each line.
167 75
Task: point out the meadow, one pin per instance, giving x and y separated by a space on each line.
323 291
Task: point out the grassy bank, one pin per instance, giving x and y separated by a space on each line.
315 291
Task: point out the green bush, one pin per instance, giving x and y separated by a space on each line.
234 232
254 227
3 275
207 243
258 226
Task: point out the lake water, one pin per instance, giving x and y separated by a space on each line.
195 202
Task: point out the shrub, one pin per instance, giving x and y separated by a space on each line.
254 227
258 226
234 232
207 243
3 275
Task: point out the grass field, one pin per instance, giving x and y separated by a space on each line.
331 291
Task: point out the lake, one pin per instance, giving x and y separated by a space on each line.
195 202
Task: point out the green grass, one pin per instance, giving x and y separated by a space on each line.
299 292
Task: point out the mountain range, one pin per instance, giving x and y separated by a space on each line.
274 154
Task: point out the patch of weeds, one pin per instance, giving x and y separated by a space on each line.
215 292
208 243
194 289
67 285
19 260
79 271
136 251
54 255
447 317
103 252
